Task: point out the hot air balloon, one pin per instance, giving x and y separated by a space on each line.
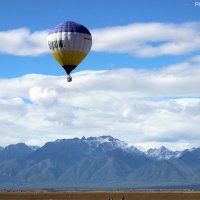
69 44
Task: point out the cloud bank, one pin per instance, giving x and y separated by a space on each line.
147 108
139 39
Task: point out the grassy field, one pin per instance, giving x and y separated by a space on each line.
115 195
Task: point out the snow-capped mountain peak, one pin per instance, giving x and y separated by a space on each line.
162 153
34 148
107 141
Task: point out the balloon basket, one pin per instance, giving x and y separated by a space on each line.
69 79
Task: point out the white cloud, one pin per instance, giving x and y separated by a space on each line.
139 39
146 108
22 42
148 39
46 97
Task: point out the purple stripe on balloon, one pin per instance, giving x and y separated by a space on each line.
70 27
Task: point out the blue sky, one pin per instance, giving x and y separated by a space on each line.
42 15
140 82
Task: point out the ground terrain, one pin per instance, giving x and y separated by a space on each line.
101 195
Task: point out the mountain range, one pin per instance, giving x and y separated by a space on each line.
97 163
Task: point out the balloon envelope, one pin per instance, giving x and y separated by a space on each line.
69 44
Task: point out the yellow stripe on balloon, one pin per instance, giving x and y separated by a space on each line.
68 57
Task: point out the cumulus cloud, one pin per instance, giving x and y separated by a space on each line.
139 39
147 108
148 39
22 42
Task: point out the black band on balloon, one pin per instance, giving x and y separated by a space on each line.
69 68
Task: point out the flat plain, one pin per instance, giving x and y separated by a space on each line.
101 195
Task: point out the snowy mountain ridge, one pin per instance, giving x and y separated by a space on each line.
96 162
162 153
107 142
111 142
